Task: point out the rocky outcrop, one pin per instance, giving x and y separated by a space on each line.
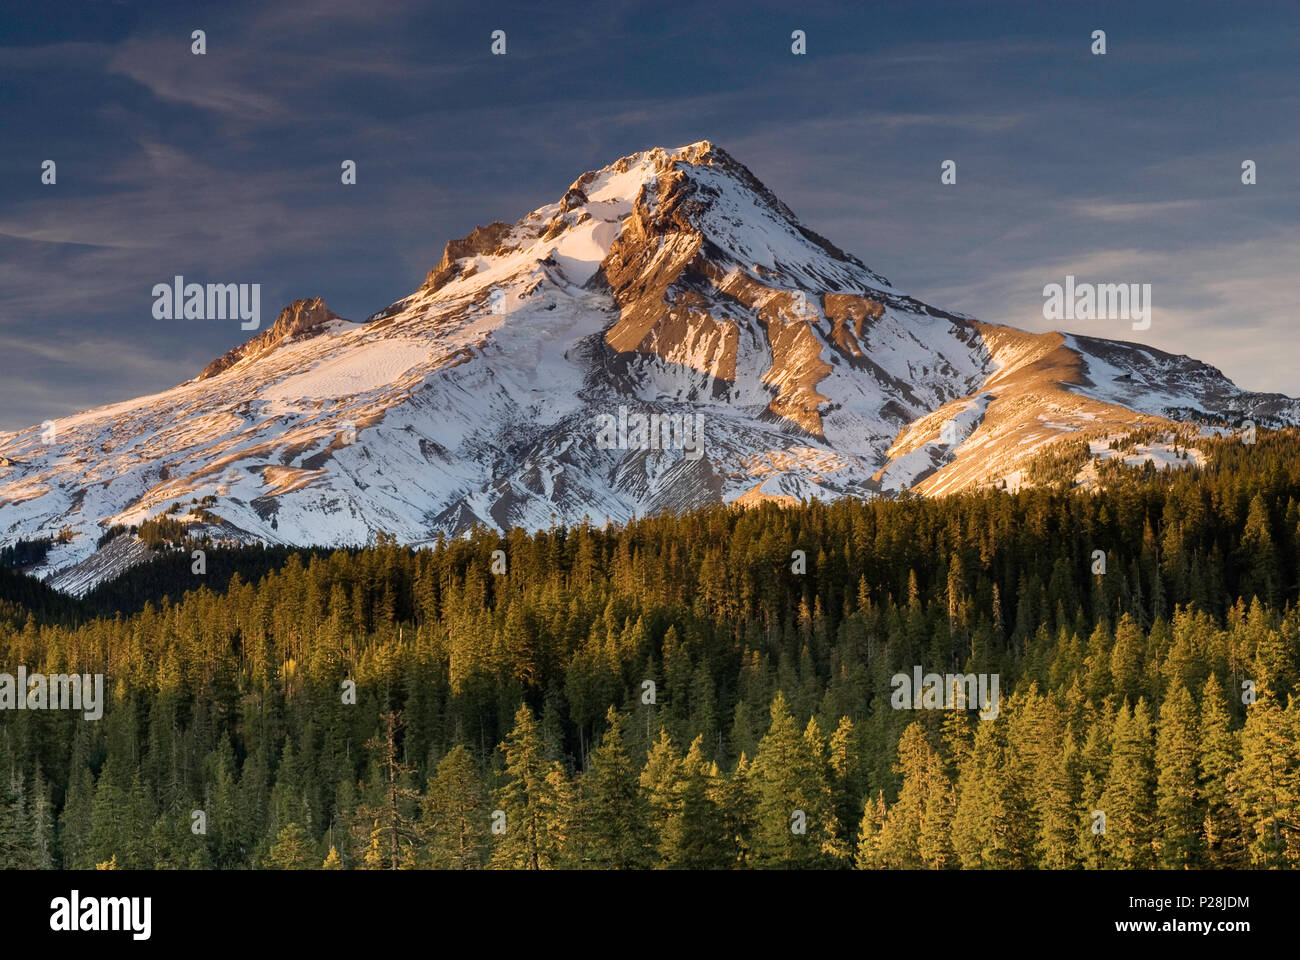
481 241
664 335
299 319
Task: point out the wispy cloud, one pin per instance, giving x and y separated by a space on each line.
227 165
1131 210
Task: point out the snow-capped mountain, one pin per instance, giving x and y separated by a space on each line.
508 390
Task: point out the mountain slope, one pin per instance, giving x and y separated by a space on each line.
669 283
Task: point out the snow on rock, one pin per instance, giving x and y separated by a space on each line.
671 284
366 368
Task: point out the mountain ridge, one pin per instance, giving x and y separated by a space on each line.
669 282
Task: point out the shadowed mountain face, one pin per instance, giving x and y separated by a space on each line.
665 335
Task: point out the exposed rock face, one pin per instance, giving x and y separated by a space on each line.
299 319
485 241
688 288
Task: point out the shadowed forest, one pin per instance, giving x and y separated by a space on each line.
710 690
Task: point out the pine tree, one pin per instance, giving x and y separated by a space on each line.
992 823
1220 752
293 850
844 783
385 830
1179 810
1092 852
561 809
732 798
1128 800
108 839
789 792
526 800
1057 816
17 851
1267 782
826 830
899 838
935 841
1258 554
41 813
661 783
615 833
874 814
454 823
700 840
1126 657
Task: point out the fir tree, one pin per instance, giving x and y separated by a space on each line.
454 824
525 800
293 850
1219 754
1179 810
1128 800
615 833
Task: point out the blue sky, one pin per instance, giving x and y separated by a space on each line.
225 167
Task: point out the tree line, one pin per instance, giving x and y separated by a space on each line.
708 690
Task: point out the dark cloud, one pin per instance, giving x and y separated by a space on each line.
226 167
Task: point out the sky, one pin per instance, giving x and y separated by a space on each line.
225 167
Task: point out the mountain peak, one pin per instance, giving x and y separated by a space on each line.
300 319
670 287
694 194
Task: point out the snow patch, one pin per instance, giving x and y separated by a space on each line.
363 369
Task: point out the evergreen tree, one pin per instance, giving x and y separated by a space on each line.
1179 809
385 832
790 809
1267 782
454 824
899 839
1128 800
526 800
992 825
17 850
615 833
293 850
1219 754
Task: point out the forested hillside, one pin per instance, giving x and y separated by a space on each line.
690 691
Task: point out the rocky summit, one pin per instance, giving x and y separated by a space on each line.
666 335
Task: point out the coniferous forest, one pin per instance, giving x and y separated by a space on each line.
711 690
